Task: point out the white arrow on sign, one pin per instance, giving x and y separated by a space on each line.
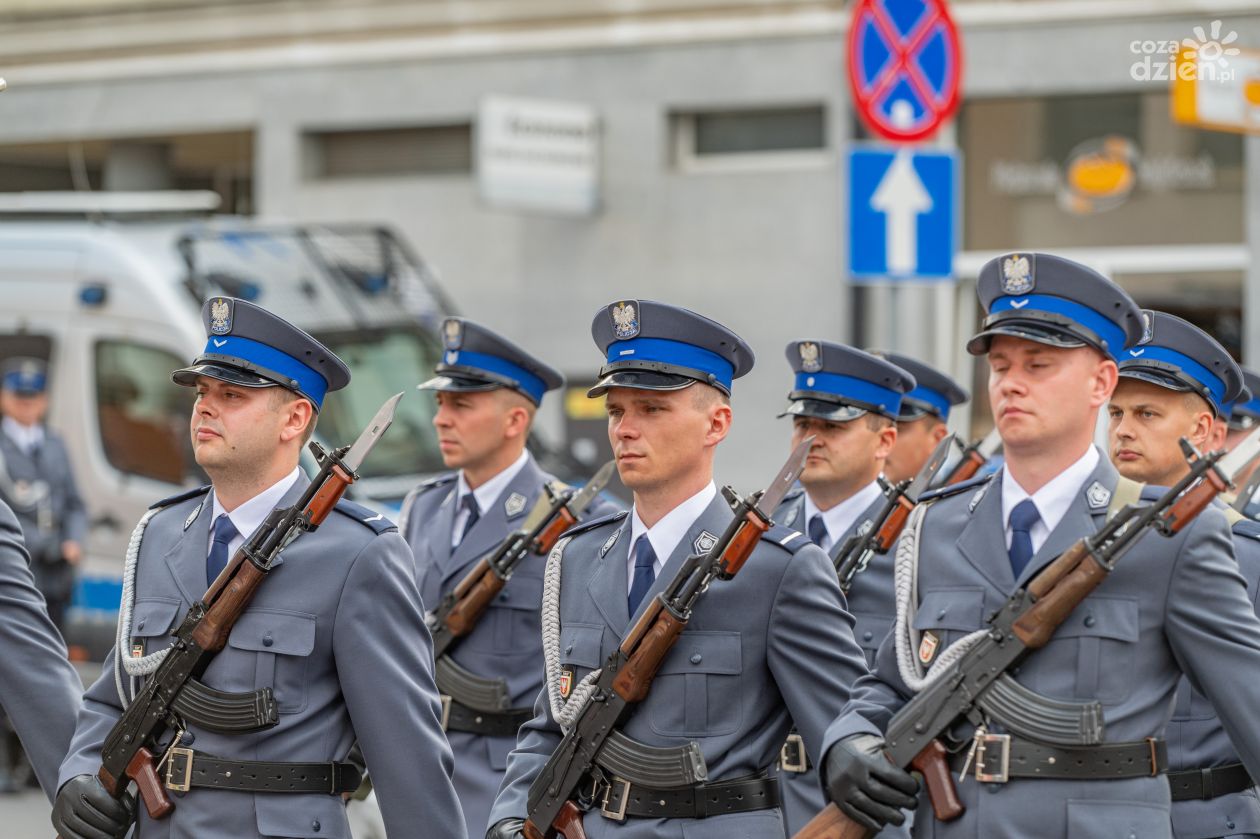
901 197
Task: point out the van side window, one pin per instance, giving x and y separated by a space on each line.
143 415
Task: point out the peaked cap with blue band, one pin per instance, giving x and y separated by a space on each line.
476 358
656 346
1244 414
1051 300
934 393
24 376
838 383
1177 355
251 347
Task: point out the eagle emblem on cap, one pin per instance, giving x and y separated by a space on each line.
625 319
1017 275
220 316
1148 327
811 358
452 333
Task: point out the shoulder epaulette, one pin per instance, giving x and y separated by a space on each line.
584 526
954 489
787 538
378 522
183 496
1244 526
438 480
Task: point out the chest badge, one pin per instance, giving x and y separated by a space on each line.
612 540
927 647
192 517
137 649
566 683
514 505
1097 495
704 543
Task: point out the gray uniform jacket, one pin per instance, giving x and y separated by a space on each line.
337 631
874 609
1196 739
771 648
65 511
1171 606
39 690
506 642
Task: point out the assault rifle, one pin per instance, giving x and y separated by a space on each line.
973 459
628 672
130 748
854 554
460 610
1026 622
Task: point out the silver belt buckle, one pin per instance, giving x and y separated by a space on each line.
446 711
619 814
993 758
792 756
172 774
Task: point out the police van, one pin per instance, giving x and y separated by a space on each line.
108 288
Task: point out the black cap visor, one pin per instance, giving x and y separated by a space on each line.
1041 327
650 375
806 403
187 376
913 409
1239 421
1166 376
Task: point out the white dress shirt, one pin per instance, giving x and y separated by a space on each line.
248 516
27 437
1052 500
842 516
669 531
486 494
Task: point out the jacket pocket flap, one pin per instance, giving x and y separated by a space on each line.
959 609
521 592
719 653
580 645
1102 617
267 631
153 618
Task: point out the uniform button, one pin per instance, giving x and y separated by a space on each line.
568 649
940 615
503 596
868 635
696 658
141 624
1229 825
993 787
315 825
268 640
1090 620
187 738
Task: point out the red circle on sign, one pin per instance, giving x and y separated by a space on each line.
905 63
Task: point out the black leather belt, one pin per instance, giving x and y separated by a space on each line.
1209 782
999 757
186 769
457 717
621 799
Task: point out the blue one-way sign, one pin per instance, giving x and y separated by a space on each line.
903 213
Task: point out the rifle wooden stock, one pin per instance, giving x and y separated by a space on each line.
1079 575
473 596
213 629
832 824
635 677
893 525
933 764
966 469
1194 500
548 538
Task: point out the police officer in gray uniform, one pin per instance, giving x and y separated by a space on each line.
487 392
769 648
336 631
1178 382
36 481
1053 333
924 418
39 689
849 401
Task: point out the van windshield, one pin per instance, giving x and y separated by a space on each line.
383 363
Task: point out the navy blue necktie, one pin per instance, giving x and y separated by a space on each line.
1023 517
817 529
644 572
470 504
224 532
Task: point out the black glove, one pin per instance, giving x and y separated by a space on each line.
84 810
507 829
865 785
